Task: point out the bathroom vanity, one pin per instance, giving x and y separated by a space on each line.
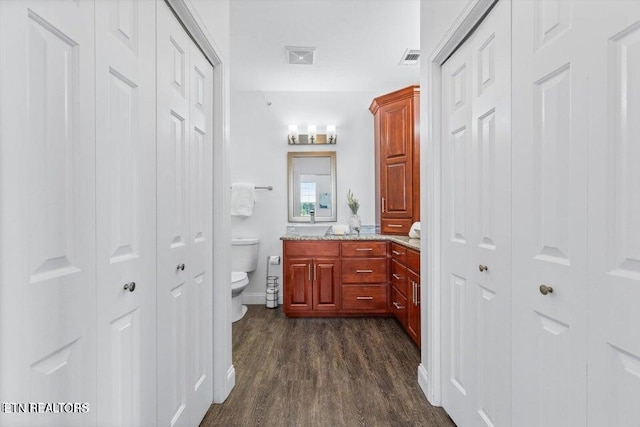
342 276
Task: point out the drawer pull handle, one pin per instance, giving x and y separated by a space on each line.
364 249
364 271
394 226
366 298
397 306
396 253
397 276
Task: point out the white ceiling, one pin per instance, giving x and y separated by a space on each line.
359 44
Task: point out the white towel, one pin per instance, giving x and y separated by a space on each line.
243 197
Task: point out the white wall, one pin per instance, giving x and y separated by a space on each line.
259 155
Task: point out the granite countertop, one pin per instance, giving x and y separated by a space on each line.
401 240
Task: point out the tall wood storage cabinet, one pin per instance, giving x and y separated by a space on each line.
397 147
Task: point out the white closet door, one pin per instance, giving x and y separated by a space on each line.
550 106
612 36
201 222
126 204
47 215
476 225
174 264
185 352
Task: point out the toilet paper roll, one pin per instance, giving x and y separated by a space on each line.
274 260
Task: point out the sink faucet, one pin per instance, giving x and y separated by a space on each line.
312 212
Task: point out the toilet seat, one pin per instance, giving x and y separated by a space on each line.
239 278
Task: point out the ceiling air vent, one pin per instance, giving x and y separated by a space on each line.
410 57
300 55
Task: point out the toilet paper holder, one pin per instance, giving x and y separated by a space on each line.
272 294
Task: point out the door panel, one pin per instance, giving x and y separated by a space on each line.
326 284
614 209
398 199
175 283
125 195
550 215
476 225
201 234
396 130
299 296
47 220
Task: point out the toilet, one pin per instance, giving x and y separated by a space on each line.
244 259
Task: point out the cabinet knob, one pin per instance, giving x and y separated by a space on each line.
130 286
482 268
544 289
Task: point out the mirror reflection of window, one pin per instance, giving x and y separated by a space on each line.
307 197
312 186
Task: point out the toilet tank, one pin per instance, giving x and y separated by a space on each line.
244 253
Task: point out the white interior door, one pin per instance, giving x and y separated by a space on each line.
612 40
47 215
174 241
184 117
476 225
201 234
126 204
550 107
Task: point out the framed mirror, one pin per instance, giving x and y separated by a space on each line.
312 186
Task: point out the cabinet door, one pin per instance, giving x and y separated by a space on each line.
298 282
413 306
395 156
326 284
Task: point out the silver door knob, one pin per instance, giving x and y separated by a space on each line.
544 289
130 286
482 268
180 267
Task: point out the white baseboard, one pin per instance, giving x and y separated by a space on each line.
423 381
228 386
256 298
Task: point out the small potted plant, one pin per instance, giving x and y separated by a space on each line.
354 205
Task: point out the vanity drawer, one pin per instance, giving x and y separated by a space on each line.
364 249
399 253
306 249
364 298
396 226
364 270
413 260
399 306
399 277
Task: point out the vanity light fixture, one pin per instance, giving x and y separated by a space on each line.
331 134
293 134
312 136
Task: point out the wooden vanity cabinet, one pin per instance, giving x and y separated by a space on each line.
311 273
397 167
365 277
405 289
413 295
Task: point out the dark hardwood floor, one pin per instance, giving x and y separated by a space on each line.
323 372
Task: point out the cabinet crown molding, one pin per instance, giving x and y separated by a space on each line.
407 92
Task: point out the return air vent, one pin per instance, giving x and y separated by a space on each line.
410 57
300 55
